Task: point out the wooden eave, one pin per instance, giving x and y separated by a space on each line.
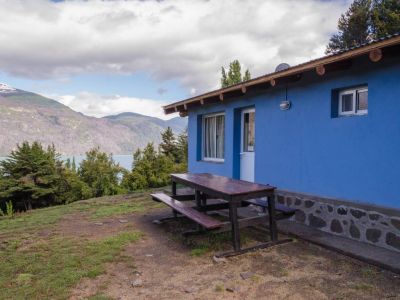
269 80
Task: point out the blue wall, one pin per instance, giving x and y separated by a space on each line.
306 150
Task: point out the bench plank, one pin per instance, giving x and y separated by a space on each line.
279 207
200 218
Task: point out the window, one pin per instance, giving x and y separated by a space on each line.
213 137
248 131
353 101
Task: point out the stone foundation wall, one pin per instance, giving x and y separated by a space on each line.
367 223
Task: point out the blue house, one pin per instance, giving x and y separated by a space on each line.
325 132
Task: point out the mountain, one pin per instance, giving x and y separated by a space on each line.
32 117
138 122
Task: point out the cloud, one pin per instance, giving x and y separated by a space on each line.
185 40
161 90
95 105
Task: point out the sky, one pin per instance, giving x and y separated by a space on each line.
107 57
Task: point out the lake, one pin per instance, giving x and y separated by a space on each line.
124 161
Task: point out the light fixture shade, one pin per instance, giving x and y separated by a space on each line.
285 105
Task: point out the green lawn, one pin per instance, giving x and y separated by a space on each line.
47 267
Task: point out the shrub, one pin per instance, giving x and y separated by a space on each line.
101 174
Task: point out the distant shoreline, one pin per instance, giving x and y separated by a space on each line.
124 160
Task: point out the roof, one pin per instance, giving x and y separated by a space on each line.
337 61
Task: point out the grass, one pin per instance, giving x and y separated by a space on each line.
47 269
199 251
362 286
37 267
97 208
99 297
212 242
219 287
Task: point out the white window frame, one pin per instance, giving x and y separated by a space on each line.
247 110
362 111
354 92
203 138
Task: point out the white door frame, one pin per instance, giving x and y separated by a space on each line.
242 152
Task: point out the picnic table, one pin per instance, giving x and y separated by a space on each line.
231 195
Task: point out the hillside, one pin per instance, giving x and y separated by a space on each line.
29 116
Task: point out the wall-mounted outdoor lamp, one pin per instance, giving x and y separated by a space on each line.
285 105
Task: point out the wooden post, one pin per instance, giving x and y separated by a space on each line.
272 218
375 55
235 225
173 191
197 199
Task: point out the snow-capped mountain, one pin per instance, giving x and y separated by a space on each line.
5 88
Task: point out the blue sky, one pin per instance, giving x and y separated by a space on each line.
107 57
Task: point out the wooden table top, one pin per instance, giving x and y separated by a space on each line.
222 186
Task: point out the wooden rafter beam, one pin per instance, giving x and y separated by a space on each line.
375 55
337 66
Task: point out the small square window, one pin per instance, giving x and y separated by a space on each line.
362 101
347 103
353 101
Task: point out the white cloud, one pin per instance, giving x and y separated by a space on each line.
184 39
100 105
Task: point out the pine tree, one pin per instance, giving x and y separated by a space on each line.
182 145
224 79
354 27
234 75
168 145
30 176
100 172
364 21
247 75
385 17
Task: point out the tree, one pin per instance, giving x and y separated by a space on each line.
30 176
182 145
364 21
353 26
385 16
99 171
33 177
234 75
151 169
71 187
168 145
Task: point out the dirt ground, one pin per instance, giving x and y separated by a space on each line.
165 267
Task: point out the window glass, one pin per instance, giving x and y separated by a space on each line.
362 102
214 136
347 102
248 132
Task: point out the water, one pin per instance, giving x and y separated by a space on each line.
124 161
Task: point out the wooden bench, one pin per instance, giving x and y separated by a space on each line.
200 218
283 212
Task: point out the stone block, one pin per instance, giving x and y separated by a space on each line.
373 234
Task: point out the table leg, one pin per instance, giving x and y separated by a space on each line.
198 200
204 202
173 191
272 218
235 225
